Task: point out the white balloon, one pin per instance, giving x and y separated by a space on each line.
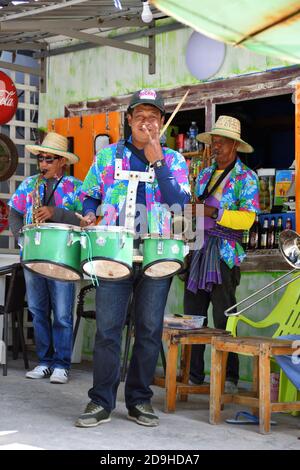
204 56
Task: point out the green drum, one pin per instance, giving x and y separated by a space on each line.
52 250
163 256
107 252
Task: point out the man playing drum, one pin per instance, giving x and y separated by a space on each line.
141 155
50 196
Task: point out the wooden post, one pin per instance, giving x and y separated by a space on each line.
186 353
215 383
171 377
264 388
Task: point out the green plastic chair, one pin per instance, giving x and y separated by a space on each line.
286 314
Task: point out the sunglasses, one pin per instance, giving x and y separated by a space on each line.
47 159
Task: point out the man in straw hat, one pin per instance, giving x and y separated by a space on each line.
50 196
162 177
229 192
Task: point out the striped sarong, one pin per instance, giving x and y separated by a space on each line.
205 268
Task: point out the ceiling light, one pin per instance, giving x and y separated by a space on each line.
146 15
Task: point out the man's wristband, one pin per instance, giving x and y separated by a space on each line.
159 163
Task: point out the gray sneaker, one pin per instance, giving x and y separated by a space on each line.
143 414
93 415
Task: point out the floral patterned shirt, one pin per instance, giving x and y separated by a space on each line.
100 184
239 193
67 195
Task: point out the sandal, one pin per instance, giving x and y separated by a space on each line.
243 417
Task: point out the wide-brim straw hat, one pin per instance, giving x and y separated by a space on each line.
57 145
230 127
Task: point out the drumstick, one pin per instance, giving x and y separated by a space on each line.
173 114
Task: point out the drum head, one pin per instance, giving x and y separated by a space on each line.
53 271
106 269
162 269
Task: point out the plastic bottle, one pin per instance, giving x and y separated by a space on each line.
193 131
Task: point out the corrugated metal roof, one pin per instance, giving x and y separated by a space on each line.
269 27
25 25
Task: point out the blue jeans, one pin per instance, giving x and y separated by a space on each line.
53 340
112 299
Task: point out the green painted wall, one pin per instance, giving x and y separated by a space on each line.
103 72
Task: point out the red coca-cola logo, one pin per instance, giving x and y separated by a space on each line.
8 98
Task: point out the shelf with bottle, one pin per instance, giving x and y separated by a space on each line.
264 233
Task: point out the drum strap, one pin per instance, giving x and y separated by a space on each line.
47 201
133 178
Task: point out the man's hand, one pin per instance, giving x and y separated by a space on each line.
88 219
152 149
44 213
209 210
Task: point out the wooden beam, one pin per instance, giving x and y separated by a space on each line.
103 41
19 68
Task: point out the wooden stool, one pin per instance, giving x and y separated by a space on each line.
179 383
261 349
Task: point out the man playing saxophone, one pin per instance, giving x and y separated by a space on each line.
50 196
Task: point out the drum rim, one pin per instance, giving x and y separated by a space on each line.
58 226
109 279
147 266
157 236
24 263
107 228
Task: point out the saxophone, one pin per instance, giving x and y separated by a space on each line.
36 198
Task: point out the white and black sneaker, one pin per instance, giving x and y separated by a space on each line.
39 372
59 376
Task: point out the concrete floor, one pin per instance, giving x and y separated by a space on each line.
37 414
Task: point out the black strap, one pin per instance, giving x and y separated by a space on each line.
137 152
46 203
207 192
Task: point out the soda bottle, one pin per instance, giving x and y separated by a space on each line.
254 235
271 234
278 231
264 234
193 131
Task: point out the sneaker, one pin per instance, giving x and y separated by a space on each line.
143 414
231 388
93 415
39 372
59 376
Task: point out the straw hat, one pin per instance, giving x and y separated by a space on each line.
229 127
56 144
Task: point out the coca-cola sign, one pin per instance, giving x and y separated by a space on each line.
8 98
